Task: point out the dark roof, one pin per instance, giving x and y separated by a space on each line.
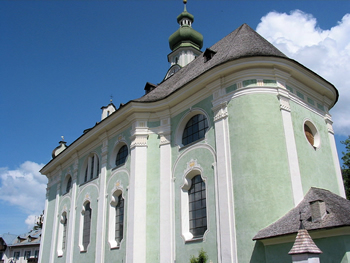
243 42
338 215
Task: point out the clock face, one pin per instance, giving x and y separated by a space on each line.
175 68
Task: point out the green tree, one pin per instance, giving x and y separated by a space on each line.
346 167
202 257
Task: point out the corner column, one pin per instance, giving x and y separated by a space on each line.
137 195
227 245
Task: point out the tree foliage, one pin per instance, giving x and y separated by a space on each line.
202 257
346 167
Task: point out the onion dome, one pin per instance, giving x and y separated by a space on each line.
185 36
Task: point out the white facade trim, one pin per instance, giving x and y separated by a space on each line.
55 224
137 195
339 176
42 242
72 216
226 215
116 191
193 169
293 161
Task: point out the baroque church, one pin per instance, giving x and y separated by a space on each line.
233 153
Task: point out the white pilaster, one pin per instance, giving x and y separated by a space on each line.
166 195
55 225
42 242
72 216
101 216
227 246
293 162
329 123
137 195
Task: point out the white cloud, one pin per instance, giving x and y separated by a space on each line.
24 188
327 52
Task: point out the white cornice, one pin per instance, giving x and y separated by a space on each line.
195 91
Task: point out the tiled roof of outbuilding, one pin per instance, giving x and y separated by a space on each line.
242 42
338 214
8 238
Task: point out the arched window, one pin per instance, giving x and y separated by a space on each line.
116 219
64 232
119 219
69 184
92 168
197 207
308 134
195 129
312 134
87 225
121 155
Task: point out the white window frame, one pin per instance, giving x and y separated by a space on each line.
63 217
81 226
112 214
192 170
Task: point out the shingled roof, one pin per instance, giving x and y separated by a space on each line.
243 42
337 215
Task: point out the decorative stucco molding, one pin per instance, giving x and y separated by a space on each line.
139 141
164 139
220 111
283 97
329 123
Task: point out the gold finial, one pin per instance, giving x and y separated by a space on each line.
111 99
62 138
185 1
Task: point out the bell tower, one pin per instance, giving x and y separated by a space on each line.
185 43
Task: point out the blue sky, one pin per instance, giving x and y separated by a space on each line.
62 60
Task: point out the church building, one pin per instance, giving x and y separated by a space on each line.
232 153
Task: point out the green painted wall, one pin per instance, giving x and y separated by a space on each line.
261 180
316 166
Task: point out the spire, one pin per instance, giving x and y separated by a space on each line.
303 242
186 42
